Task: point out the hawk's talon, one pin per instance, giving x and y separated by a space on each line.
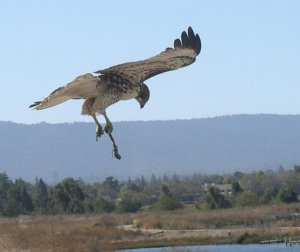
99 133
116 153
108 128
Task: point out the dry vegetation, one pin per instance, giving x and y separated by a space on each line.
188 218
60 233
185 226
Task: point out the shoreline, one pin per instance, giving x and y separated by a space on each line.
169 238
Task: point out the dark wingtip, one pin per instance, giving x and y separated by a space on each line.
184 40
194 40
197 44
191 32
34 104
189 40
177 44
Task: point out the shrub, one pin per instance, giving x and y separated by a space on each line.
104 206
245 199
128 204
167 202
287 195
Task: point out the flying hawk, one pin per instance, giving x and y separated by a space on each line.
123 82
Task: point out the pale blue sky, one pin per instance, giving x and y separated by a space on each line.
249 63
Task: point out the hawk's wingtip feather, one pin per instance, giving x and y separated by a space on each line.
188 40
184 40
34 104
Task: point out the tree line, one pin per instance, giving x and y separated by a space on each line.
71 196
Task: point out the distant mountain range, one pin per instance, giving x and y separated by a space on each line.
213 145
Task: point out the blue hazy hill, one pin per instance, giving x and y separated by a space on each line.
213 145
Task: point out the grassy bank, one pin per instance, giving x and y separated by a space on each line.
187 226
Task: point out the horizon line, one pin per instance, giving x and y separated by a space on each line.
156 120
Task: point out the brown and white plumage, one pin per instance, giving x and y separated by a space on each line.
123 81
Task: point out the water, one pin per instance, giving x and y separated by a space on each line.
223 248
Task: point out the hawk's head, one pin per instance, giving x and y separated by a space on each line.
143 95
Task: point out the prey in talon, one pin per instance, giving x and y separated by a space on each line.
123 82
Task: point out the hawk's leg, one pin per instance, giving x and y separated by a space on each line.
115 150
108 129
99 129
87 109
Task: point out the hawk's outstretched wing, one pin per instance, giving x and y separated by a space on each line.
183 54
83 86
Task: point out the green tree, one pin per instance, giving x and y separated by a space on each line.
153 179
287 195
236 187
214 199
109 188
67 197
167 201
88 205
238 175
149 195
269 195
103 205
5 184
297 168
128 204
142 183
41 197
256 182
18 201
